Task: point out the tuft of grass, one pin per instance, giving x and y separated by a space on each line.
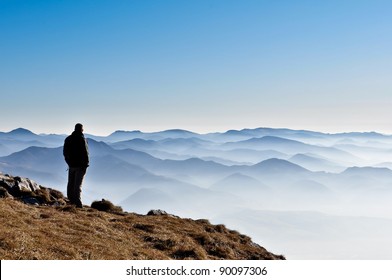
106 206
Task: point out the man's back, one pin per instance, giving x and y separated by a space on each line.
75 150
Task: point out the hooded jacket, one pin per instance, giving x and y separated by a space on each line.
75 150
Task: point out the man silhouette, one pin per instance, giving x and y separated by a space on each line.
76 155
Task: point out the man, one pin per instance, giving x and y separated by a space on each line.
77 157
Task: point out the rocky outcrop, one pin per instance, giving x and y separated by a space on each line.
29 191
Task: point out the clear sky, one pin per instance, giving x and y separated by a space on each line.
201 65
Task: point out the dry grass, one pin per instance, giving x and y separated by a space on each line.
64 232
106 206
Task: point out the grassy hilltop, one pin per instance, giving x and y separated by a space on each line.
52 229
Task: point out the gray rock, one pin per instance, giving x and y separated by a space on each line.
158 212
4 193
6 181
25 185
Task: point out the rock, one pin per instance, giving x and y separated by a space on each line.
6 181
30 200
29 191
25 185
158 212
4 193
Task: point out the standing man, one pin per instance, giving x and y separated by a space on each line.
76 155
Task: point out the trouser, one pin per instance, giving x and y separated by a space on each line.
74 187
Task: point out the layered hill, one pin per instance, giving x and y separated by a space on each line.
226 176
38 223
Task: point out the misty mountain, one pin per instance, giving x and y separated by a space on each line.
246 156
26 136
136 144
246 134
374 172
310 194
50 179
13 145
122 135
255 172
369 155
292 147
275 166
129 155
116 178
20 134
362 135
180 169
193 170
267 143
309 187
41 164
242 186
143 200
315 163
47 158
119 135
122 170
109 168
175 133
4 150
187 199
367 178
20 139
170 145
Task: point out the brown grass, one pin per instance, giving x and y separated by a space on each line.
106 206
65 232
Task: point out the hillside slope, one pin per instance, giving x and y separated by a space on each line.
38 224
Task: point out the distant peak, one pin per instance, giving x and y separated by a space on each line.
178 131
21 131
126 131
119 132
280 164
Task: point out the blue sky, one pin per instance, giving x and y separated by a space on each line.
195 64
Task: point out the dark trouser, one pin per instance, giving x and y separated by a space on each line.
74 187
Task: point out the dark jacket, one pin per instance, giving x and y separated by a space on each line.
75 150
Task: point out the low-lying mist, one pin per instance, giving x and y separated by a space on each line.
304 194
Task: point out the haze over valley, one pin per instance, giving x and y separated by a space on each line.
304 194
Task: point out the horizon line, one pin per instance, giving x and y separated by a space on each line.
203 133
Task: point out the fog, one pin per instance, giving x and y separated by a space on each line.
304 194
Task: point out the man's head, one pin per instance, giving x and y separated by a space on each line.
78 127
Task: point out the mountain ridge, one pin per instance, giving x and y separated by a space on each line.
216 174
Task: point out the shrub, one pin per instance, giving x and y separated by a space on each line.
106 206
